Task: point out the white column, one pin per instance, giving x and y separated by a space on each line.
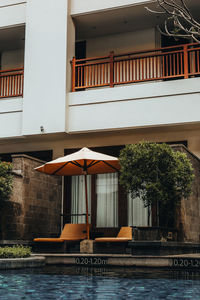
45 66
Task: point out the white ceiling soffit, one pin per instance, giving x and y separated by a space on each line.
80 7
12 38
122 20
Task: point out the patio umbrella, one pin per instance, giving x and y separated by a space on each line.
82 162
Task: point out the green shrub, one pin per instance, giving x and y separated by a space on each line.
6 181
15 252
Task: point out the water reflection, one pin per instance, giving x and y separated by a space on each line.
61 282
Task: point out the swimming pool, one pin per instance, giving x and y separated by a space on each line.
87 283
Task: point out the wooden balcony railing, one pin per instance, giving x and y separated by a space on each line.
174 62
11 83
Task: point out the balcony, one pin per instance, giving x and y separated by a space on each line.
12 41
11 83
168 63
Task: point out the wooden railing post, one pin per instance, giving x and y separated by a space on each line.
134 67
73 74
11 83
185 55
112 69
22 92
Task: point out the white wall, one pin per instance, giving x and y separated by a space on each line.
107 138
11 2
12 59
121 43
10 117
45 66
12 15
140 105
10 125
70 53
88 6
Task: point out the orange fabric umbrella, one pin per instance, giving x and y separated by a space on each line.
82 162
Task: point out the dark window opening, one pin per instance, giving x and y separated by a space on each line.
45 155
80 53
80 49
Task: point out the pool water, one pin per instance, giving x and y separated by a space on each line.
87 283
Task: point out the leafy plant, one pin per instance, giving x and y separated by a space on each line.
156 174
15 252
6 179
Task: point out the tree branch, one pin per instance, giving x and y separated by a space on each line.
178 17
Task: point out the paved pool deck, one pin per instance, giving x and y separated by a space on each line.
182 261
19 263
125 260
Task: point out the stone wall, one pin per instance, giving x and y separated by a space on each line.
35 205
188 215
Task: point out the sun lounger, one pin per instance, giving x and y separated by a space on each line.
70 232
124 235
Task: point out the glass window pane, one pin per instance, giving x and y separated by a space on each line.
137 213
107 200
78 198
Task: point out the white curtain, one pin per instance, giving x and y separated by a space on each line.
137 213
107 200
78 198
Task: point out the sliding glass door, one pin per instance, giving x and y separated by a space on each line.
107 200
78 198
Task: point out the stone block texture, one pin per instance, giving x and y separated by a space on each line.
188 214
34 207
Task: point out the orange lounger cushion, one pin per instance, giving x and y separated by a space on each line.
124 235
112 239
74 232
52 240
70 232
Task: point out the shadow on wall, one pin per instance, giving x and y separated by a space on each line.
188 215
35 204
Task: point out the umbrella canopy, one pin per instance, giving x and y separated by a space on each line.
82 162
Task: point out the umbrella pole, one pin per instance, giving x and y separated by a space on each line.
86 204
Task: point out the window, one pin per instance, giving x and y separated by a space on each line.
107 200
78 205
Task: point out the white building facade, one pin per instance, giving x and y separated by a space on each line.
126 88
